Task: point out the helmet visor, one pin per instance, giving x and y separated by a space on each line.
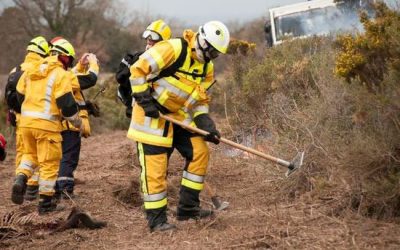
211 52
148 34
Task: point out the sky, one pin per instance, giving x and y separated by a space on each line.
197 12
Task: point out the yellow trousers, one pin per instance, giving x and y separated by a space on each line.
154 163
42 151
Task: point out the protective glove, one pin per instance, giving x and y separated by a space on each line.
92 59
205 122
93 109
213 137
84 59
146 101
85 128
3 144
150 110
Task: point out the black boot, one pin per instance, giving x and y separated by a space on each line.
31 193
189 205
18 189
157 219
47 205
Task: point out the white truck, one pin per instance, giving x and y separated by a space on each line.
318 17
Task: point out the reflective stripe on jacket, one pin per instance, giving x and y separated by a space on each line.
41 86
183 94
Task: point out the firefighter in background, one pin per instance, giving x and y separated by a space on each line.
3 144
46 96
38 49
82 76
157 31
170 78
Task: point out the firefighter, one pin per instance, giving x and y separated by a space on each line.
82 76
38 49
3 144
171 77
157 31
46 96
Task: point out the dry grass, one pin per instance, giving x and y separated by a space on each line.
258 217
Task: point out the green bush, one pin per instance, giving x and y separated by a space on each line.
351 135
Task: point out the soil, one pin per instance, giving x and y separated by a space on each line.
259 215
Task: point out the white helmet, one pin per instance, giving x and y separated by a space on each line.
216 34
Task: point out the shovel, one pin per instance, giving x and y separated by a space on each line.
292 166
218 205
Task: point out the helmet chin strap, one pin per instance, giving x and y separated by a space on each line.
201 52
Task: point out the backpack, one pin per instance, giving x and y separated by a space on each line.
11 90
123 73
173 68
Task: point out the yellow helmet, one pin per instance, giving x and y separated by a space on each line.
157 31
39 45
63 47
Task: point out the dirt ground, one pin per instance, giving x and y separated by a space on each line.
256 217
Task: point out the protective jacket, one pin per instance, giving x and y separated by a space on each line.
31 59
46 96
183 94
82 78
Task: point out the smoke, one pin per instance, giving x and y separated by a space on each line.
322 21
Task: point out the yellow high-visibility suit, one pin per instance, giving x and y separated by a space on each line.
30 60
184 96
80 78
47 97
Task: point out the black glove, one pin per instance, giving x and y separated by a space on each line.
93 109
146 101
213 137
150 110
205 122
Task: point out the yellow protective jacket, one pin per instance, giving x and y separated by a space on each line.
30 60
182 94
82 78
42 87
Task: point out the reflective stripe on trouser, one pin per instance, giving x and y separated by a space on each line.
34 180
195 150
196 153
71 147
43 149
153 183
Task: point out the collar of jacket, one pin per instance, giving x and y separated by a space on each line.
45 67
32 57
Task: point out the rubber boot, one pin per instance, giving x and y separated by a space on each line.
31 193
47 205
157 219
18 189
189 205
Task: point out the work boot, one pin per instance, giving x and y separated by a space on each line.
164 226
47 205
189 205
196 214
18 189
31 193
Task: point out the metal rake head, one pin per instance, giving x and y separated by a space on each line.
295 164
